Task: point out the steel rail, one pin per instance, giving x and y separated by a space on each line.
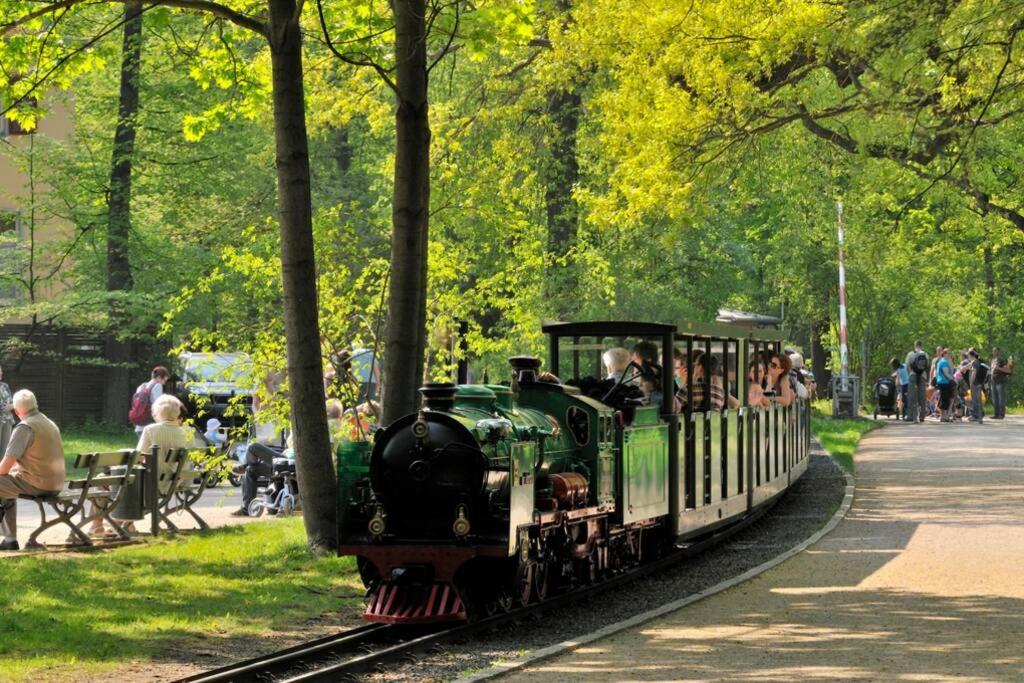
260 667
285 666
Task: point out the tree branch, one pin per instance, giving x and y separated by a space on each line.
214 8
381 71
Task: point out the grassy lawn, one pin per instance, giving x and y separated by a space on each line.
82 616
839 437
94 438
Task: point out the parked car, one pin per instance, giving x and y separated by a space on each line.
217 385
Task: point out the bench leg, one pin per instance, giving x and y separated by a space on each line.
199 520
64 514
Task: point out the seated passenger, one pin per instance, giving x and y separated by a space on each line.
645 353
717 399
755 392
650 385
779 366
615 362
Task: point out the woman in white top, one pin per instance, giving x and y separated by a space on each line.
166 433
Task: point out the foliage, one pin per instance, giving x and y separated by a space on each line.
840 437
137 603
713 140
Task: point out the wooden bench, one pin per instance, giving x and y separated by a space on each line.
99 487
180 483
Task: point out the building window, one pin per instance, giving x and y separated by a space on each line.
9 127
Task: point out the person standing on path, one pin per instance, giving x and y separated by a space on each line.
1001 371
33 463
946 385
6 414
917 367
902 378
976 379
145 396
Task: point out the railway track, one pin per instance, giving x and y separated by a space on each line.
362 649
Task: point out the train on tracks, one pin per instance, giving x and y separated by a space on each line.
497 495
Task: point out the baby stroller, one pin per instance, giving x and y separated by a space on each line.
278 494
885 398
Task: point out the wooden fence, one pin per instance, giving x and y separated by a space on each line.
64 367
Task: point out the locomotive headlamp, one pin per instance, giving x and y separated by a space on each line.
419 428
377 524
460 527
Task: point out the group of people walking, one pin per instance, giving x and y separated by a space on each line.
951 387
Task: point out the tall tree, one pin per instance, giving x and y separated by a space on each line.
298 270
282 32
405 340
119 272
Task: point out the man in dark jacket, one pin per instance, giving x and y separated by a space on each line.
976 378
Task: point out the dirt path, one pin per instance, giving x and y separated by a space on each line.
923 581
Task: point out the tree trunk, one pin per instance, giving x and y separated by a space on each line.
560 177
819 358
298 272
405 340
117 389
562 209
990 299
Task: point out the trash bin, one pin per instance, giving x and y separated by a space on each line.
845 396
132 503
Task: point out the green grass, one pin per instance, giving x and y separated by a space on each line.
83 616
839 437
95 438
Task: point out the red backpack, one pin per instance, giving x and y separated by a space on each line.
139 415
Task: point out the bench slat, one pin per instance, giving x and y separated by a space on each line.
108 459
112 480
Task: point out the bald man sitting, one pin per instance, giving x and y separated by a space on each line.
33 463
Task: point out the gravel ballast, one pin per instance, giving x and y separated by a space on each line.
796 517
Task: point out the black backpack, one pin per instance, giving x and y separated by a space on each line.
980 372
920 364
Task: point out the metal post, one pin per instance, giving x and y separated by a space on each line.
153 489
843 364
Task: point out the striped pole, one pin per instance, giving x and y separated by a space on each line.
843 367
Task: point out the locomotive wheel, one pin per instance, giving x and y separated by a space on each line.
541 580
524 582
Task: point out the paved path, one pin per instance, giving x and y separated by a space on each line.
923 581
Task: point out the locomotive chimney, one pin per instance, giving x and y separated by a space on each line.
524 369
438 395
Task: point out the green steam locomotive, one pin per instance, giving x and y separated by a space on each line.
497 495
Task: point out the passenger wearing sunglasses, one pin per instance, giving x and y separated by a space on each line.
779 366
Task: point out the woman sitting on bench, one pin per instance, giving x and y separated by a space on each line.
166 433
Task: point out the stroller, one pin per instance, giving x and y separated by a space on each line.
280 495
278 486
885 392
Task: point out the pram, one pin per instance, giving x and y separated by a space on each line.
885 392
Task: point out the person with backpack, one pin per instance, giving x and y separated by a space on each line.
977 377
917 363
145 395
